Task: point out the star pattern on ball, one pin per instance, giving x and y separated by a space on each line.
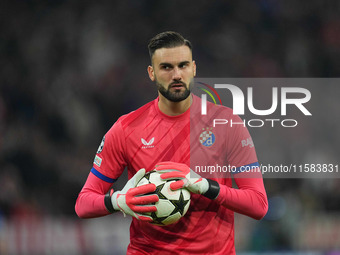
179 204
158 220
171 206
147 176
158 191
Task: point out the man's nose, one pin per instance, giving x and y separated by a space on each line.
176 75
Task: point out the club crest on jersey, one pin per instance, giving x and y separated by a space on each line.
101 146
207 137
148 144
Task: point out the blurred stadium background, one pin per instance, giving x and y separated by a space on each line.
69 69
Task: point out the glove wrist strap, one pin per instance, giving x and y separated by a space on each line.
213 190
108 202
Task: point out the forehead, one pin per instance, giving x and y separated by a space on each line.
172 55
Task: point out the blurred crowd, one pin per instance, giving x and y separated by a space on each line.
69 69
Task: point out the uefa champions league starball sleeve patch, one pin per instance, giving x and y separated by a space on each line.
101 146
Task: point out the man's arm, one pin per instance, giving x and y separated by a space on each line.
250 199
90 201
131 200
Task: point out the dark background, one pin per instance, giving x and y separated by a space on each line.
69 69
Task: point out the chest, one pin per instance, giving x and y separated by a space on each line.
179 141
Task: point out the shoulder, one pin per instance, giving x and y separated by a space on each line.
135 117
129 123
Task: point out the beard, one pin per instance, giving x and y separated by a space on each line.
175 96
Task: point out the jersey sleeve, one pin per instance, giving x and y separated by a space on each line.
109 161
251 198
241 153
90 201
108 165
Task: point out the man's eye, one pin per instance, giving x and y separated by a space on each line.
183 65
165 67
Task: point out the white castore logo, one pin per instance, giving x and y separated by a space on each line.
148 144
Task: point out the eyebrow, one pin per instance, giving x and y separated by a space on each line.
180 63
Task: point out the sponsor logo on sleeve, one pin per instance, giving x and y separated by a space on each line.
97 161
247 142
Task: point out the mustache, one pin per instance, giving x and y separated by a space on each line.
176 83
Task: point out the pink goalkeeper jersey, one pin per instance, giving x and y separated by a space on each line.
145 137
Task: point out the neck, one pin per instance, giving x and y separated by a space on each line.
173 108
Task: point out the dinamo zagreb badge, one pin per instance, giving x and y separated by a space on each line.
207 137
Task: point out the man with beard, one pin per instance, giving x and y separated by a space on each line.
157 136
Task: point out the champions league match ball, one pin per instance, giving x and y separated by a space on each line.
172 205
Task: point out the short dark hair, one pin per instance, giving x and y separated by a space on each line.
168 39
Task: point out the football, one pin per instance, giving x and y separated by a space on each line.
172 205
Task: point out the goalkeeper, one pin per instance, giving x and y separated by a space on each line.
157 136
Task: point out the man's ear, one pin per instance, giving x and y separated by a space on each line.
151 73
194 67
